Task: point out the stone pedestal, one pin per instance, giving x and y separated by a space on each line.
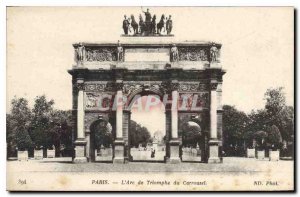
119 152
174 152
214 151
80 156
50 153
274 155
22 155
250 152
38 154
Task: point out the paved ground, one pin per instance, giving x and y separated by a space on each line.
230 164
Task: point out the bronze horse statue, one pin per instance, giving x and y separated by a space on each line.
134 25
142 25
161 24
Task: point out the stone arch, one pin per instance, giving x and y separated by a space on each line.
131 98
99 123
143 91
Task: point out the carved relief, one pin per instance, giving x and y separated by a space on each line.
192 54
192 87
200 99
128 88
98 100
99 87
101 54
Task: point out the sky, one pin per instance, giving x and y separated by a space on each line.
257 47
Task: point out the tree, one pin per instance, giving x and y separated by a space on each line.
17 124
278 113
274 137
235 125
42 128
138 135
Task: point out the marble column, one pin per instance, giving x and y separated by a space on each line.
126 123
80 142
174 142
119 141
213 141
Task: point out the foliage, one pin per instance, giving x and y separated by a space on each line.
103 134
40 127
274 137
138 135
235 124
17 125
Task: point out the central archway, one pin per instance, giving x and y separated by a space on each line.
147 128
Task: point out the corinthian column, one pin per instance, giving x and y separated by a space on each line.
174 142
213 141
119 142
80 143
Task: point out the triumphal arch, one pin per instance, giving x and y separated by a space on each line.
186 76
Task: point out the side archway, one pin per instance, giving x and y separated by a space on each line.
101 138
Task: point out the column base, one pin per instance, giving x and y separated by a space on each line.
214 151
80 160
214 160
174 152
119 152
174 160
80 157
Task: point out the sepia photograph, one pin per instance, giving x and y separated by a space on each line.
154 98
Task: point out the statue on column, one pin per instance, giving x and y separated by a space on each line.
125 25
174 54
119 52
80 53
214 53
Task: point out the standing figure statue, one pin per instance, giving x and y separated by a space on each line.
169 25
119 52
214 53
147 21
80 53
125 25
161 24
147 15
174 54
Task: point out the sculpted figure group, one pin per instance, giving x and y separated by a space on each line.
149 26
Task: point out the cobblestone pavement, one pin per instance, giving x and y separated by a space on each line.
230 165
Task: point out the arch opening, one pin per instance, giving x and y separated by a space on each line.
147 130
101 141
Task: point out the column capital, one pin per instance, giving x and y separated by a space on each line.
174 85
79 85
213 85
119 85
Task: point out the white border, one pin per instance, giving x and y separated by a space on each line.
5 3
